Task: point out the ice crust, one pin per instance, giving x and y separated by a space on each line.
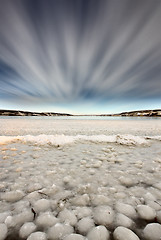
66 139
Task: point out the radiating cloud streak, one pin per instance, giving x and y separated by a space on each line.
75 50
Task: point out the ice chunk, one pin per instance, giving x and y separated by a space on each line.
51 191
97 200
34 187
148 196
122 220
130 140
98 233
66 139
12 196
122 233
9 221
120 195
152 231
74 236
97 164
3 231
32 197
128 182
41 205
67 179
112 190
126 209
103 215
37 236
19 219
82 212
59 230
68 217
146 212
26 229
82 189
81 200
84 225
69 182
154 204
46 219
21 206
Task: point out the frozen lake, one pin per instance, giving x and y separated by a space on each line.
64 176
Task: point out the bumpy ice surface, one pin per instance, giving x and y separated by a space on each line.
80 179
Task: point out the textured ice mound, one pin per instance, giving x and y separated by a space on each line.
58 140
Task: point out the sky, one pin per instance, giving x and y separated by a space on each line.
80 56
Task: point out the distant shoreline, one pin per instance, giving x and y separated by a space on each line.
138 113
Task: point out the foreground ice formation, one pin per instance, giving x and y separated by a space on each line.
59 230
146 212
84 225
103 215
74 180
152 231
46 219
126 209
122 233
12 196
41 205
26 229
98 233
123 220
68 217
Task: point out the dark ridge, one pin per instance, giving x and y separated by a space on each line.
138 113
27 113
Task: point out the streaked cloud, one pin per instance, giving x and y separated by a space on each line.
62 51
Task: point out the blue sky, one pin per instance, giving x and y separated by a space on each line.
80 56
